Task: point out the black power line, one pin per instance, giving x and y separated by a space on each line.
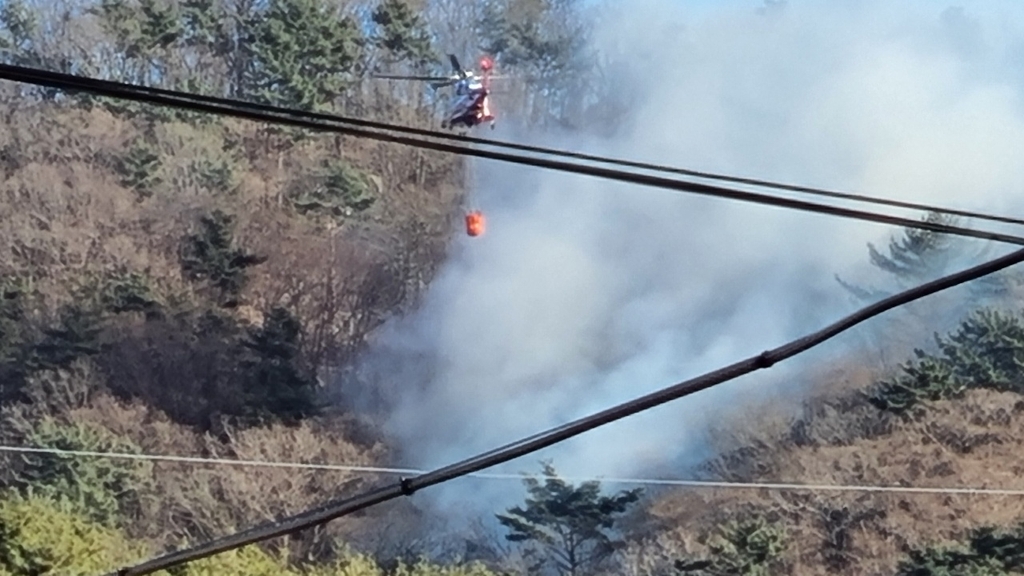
333 118
408 486
275 115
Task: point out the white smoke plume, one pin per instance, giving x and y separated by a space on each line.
585 293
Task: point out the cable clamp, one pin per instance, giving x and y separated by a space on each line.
764 360
406 485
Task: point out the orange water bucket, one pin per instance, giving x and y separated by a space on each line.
475 224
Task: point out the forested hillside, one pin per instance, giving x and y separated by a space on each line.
174 283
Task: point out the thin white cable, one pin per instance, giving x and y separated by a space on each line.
198 460
638 481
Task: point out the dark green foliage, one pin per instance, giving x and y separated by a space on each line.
148 33
215 175
919 254
201 26
186 364
210 256
303 53
276 385
862 293
916 257
120 21
30 345
545 43
948 562
929 378
27 348
81 330
76 335
750 547
15 339
12 315
571 525
196 365
340 191
987 351
989 552
140 169
519 39
403 34
191 85
101 489
161 24
141 29
129 292
202 365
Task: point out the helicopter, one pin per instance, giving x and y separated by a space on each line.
470 107
471 104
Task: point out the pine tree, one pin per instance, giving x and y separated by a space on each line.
144 32
915 257
403 34
986 351
276 384
572 525
919 254
161 24
129 292
14 340
100 489
75 336
749 547
545 42
302 53
140 169
210 256
989 552
342 191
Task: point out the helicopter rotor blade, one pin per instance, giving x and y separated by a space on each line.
419 78
457 68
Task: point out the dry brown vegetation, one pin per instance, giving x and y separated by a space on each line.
182 285
93 194
65 212
67 218
976 441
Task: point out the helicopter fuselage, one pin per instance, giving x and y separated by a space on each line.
470 106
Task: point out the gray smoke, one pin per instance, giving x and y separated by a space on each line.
585 293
